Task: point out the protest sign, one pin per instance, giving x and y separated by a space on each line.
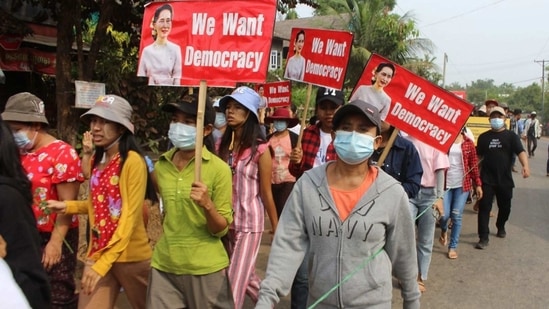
276 94
411 103
460 93
318 56
221 42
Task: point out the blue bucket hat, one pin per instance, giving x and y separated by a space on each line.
245 96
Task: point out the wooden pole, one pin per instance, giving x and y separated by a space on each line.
388 146
202 93
304 116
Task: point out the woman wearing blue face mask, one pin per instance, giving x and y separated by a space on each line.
346 213
189 261
54 170
220 124
281 142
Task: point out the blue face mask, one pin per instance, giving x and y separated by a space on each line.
280 125
22 140
220 120
353 148
182 136
497 123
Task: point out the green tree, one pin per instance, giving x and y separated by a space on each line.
481 90
377 30
527 98
292 14
426 68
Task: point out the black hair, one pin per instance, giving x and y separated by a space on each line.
126 144
293 108
209 117
251 137
10 161
160 9
297 37
157 14
381 66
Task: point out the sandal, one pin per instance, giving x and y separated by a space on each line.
421 286
443 239
452 254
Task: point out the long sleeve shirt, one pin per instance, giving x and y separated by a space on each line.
129 242
310 144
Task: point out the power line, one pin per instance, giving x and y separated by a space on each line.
463 14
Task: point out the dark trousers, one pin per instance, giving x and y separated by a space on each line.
503 198
547 161
281 192
300 286
532 145
61 275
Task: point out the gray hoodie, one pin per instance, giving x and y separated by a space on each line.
375 242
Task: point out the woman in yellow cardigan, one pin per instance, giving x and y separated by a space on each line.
119 253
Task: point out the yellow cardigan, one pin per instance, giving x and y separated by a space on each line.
129 243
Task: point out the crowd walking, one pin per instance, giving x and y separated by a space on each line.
342 226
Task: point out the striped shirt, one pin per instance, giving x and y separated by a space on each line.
249 213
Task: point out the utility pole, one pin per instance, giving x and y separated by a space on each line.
542 85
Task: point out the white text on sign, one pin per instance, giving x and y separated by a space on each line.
233 24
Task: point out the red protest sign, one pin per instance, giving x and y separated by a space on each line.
460 93
221 42
318 56
276 94
411 103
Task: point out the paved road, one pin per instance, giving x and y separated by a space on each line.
510 273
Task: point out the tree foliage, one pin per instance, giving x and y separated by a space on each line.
378 30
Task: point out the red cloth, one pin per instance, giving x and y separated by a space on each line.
107 203
470 164
310 144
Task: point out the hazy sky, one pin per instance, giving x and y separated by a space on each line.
484 39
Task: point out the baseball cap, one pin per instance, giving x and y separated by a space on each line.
497 109
189 105
113 108
330 94
245 96
282 113
25 107
491 101
358 106
533 113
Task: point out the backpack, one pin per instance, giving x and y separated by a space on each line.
532 128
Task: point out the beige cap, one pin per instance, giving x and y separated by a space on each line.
113 108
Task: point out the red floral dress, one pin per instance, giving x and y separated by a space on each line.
55 163
107 203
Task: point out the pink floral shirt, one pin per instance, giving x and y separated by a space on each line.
48 166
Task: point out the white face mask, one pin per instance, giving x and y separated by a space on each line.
182 136
220 120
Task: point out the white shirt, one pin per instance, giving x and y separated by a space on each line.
10 293
325 140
